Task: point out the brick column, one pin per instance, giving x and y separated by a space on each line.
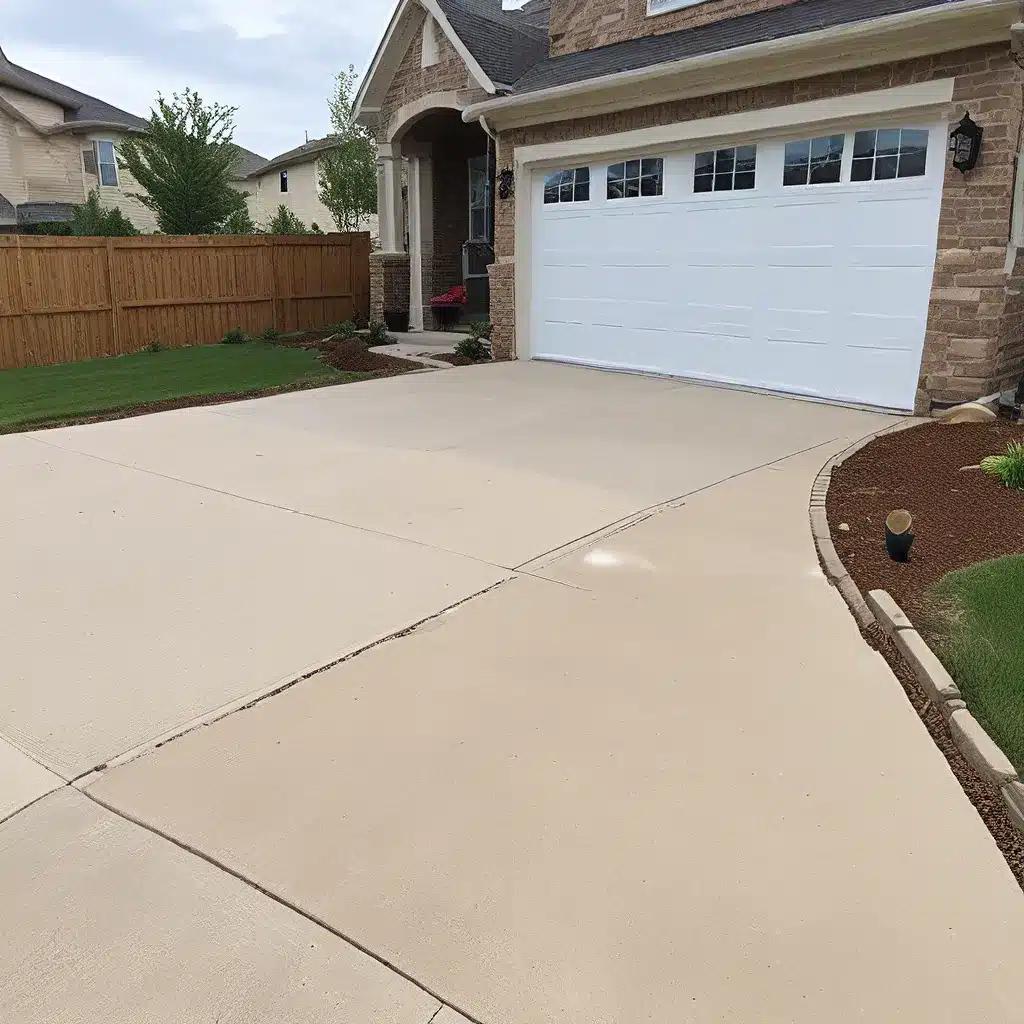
389 283
502 278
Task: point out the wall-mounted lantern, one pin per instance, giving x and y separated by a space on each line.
965 144
506 183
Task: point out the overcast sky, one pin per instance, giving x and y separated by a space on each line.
273 59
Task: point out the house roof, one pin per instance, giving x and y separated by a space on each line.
536 13
762 26
300 154
504 43
85 111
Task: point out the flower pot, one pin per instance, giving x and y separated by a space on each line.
898 537
397 321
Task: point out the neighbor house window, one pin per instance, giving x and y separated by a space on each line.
568 186
284 181
634 178
107 161
723 170
889 153
814 161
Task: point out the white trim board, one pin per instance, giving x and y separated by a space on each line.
918 98
923 98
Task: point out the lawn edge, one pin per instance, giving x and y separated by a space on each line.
879 611
972 740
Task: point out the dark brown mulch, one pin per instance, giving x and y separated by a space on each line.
450 357
960 517
353 355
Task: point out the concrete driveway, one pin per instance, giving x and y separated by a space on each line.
636 771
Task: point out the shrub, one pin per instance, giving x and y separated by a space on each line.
472 348
270 334
155 346
284 222
345 330
236 336
1009 467
379 335
481 329
361 320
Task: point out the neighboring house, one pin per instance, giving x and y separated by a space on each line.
752 192
57 144
293 180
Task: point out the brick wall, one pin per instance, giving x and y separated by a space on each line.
503 305
583 24
973 341
389 283
411 81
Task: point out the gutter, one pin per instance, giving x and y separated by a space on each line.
750 52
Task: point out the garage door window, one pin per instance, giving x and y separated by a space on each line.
568 186
889 153
814 161
723 170
634 178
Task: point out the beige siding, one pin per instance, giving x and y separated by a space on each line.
120 196
51 167
302 198
12 179
43 112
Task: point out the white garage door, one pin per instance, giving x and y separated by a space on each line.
801 264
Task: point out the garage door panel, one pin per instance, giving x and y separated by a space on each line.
815 290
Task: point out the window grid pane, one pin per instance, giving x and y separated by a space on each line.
566 186
726 169
634 178
886 153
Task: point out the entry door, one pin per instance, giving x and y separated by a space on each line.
800 264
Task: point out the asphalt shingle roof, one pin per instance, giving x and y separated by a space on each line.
792 20
504 44
307 151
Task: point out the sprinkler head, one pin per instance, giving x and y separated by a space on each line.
898 537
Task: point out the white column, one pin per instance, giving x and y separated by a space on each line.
421 235
389 197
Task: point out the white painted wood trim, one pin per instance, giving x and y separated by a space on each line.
919 98
413 109
922 99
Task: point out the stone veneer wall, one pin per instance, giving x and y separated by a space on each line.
576 25
973 341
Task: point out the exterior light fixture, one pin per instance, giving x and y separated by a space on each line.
965 144
506 183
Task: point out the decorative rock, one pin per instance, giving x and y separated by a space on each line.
967 469
937 682
950 707
979 748
888 613
845 527
969 412
1013 797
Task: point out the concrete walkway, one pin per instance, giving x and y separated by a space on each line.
655 774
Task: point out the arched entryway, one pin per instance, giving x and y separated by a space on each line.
441 200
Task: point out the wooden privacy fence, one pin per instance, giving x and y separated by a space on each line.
63 299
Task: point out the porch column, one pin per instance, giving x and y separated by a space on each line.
421 237
389 197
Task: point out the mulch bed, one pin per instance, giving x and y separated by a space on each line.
454 360
960 517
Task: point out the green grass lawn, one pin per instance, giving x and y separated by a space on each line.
981 643
48 394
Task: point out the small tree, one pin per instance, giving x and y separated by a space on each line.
93 219
348 172
284 222
184 162
239 223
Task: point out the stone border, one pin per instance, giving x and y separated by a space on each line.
976 746
835 571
